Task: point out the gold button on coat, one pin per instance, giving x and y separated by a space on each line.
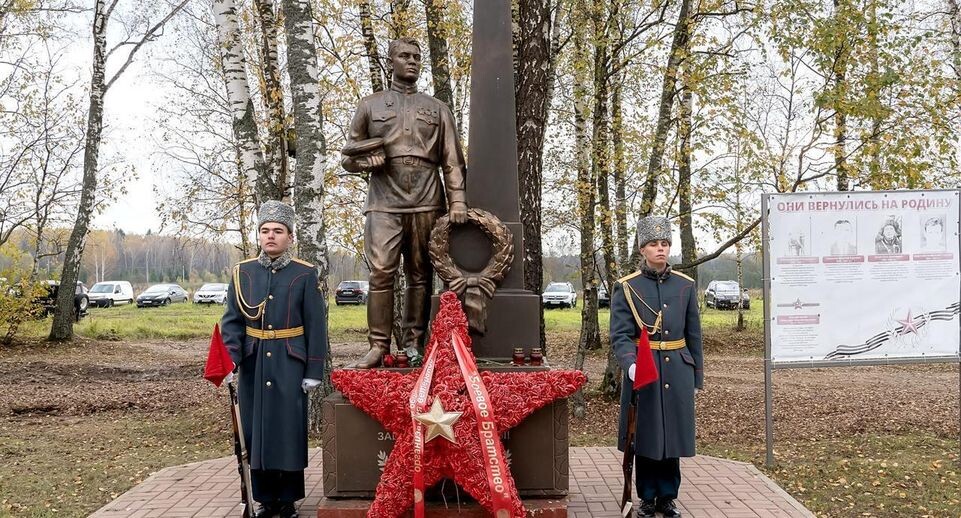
666 358
268 383
666 385
271 297
269 326
268 354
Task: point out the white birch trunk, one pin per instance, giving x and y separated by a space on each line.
311 149
238 92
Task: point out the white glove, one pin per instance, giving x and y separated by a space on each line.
630 372
310 384
230 378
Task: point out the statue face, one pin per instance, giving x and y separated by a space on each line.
406 62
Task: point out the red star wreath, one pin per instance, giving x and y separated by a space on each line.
512 398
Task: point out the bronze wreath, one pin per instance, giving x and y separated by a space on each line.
502 245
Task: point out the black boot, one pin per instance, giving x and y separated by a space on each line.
646 510
288 511
265 511
667 508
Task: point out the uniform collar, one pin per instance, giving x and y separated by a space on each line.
274 264
651 273
402 88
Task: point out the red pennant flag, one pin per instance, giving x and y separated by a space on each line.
645 372
219 363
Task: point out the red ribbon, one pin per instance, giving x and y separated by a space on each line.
418 401
497 474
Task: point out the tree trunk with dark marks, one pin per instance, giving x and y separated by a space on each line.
374 64
274 185
620 178
685 204
308 194
439 55
243 117
63 317
677 54
586 188
532 100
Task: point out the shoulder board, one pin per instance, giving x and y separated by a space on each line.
629 276
247 260
679 274
305 263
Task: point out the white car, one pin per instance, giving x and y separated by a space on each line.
110 293
560 294
211 293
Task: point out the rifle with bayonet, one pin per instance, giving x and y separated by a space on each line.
243 456
628 462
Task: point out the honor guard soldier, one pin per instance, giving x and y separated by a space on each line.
665 303
401 138
275 328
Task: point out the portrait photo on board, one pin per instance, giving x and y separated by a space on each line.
888 239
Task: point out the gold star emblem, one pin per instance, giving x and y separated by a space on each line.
438 422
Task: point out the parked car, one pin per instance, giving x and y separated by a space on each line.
560 294
110 293
211 293
351 292
603 298
161 295
48 301
726 294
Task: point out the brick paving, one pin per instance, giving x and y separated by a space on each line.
711 488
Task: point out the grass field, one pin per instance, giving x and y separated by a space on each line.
347 323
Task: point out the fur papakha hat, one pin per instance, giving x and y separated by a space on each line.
273 211
653 228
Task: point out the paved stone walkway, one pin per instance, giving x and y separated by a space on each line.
712 488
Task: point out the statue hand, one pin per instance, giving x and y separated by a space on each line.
458 212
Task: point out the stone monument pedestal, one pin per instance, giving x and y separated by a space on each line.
356 447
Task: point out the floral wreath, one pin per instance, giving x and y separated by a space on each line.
475 285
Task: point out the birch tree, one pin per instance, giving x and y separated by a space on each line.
311 148
585 186
62 327
244 120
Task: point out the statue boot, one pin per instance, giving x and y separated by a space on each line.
380 320
416 316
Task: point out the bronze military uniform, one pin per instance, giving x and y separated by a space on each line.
404 198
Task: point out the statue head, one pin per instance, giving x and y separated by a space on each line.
405 59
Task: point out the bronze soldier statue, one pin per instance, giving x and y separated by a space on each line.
401 137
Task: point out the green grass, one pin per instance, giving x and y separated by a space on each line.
181 322
347 323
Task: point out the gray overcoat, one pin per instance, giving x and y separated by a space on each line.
665 408
273 406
